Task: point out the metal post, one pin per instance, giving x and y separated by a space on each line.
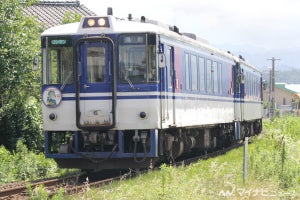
270 94
272 85
245 159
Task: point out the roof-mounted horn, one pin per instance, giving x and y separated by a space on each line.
109 11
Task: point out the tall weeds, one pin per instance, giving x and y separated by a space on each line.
277 154
24 164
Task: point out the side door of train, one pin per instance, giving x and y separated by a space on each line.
168 90
95 89
239 92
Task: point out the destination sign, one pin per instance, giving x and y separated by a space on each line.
61 41
58 42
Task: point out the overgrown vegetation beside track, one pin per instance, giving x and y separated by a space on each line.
276 157
273 172
25 165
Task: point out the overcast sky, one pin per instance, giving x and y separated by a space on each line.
261 29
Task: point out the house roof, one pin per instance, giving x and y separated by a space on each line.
51 13
292 88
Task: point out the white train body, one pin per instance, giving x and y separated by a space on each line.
127 93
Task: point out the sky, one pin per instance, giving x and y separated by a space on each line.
256 29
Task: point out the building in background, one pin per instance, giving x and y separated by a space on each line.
287 98
52 13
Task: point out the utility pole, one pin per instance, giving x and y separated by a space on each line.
272 89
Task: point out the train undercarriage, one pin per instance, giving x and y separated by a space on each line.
141 148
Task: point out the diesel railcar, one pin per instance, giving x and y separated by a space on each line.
121 93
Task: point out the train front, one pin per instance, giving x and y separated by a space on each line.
100 92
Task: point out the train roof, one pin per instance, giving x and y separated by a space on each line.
119 25
116 25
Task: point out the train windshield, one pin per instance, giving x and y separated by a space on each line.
57 60
137 58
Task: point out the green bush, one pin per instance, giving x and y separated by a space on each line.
6 166
21 121
24 165
20 116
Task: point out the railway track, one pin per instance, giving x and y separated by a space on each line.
80 182
19 190
71 185
188 161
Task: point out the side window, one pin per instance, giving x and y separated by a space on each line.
239 78
257 86
152 70
202 74
187 71
215 78
208 76
251 84
169 60
220 78
247 86
194 73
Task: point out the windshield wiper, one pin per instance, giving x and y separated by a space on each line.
130 83
66 81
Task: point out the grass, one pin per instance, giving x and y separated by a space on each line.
273 173
26 165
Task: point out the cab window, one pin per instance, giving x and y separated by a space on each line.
57 61
137 60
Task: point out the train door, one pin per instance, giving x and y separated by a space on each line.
168 100
242 95
239 94
95 91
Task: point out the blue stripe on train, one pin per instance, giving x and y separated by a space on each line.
161 97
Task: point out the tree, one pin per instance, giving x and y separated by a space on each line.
19 84
71 17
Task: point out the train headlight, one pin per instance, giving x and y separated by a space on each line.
96 22
101 22
91 22
53 116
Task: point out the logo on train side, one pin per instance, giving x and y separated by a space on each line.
52 97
